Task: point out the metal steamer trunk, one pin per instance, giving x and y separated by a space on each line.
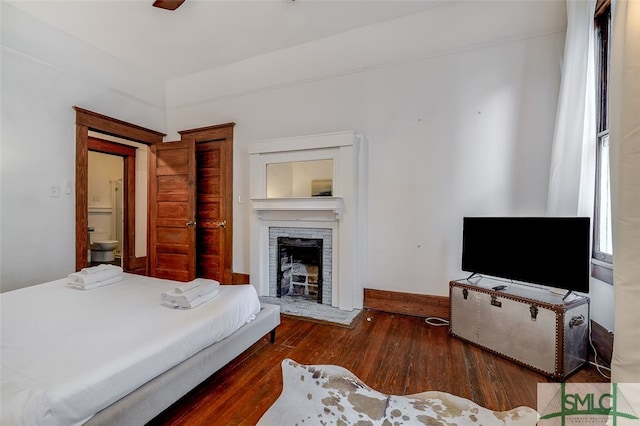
528 325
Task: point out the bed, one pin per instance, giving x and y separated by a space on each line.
116 354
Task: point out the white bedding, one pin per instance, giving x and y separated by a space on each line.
67 353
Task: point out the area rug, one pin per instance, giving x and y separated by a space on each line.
332 395
312 310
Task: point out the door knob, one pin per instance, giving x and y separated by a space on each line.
222 224
191 223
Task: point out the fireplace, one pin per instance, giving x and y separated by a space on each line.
302 259
335 223
299 272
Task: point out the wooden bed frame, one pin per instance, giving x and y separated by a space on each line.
150 399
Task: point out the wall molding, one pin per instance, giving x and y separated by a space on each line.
360 69
82 77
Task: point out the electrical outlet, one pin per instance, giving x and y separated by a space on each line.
54 191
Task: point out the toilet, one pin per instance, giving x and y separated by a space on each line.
102 251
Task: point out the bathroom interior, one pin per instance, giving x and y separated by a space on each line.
105 208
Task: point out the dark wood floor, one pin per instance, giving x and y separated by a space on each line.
393 354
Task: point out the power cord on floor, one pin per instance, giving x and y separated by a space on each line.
438 322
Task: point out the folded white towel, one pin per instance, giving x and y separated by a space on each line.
95 284
198 282
109 272
175 296
94 269
194 303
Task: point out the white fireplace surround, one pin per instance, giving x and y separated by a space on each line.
343 212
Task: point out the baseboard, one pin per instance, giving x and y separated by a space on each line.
420 305
238 278
603 342
138 266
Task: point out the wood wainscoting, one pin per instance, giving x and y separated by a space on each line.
419 305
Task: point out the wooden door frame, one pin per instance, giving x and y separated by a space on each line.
85 121
222 133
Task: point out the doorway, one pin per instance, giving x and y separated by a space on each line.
106 206
111 195
87 121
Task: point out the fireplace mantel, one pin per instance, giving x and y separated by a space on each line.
344 212
333 205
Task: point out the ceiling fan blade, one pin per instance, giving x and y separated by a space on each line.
168 4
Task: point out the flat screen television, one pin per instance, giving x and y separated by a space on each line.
550 251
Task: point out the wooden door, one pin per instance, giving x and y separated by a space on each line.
211 208
172 225
214 148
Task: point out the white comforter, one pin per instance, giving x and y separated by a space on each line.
67 354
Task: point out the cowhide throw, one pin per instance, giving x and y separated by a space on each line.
332 395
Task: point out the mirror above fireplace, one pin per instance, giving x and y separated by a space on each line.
300 179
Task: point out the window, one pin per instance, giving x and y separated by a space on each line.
602 257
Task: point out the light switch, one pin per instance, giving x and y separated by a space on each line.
54 191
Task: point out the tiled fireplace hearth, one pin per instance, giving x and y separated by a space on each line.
336 223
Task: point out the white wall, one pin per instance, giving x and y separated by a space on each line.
458 104
44 74
459 119
103 168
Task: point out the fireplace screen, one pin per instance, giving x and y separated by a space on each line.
300 268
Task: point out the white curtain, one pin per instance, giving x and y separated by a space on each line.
624 140
572 178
